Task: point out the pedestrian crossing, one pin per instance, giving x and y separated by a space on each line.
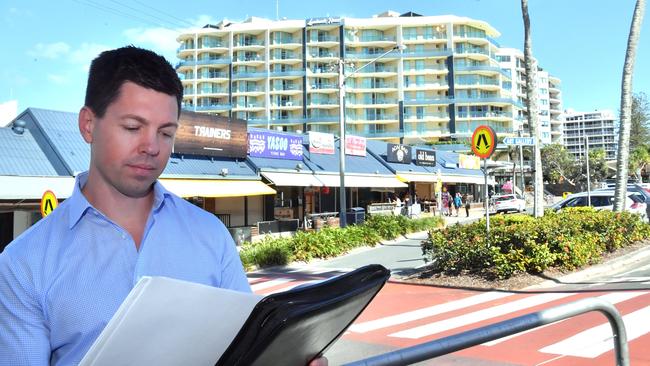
402 316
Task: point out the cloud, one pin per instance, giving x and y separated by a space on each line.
57 79
162 40
49 50
202 20
86 53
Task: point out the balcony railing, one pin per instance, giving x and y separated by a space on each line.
285 40
287 73
249 75
383 117
426 53
250 42
212 90
415 116
372 68
324 38
373 101
324 86
479 50
372 86
214 44
286 88
207 61
210 107
249 89
371 55
369 38
322 119
481 114
213 75
425 36
435 100
482 68
243 58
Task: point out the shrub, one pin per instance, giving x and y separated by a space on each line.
519 243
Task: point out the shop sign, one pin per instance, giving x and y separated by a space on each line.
355 145
399 154
469 162
425 157
321 143
323 21
209 135
265 144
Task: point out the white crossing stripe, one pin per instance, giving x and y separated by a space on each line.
291 286
595 341
267 284
477 316
427 312
613 297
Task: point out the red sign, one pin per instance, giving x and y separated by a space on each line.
355 145
321 143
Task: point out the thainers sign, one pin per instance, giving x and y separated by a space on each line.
208 135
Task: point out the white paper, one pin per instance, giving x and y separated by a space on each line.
164 321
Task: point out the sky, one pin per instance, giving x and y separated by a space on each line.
48 45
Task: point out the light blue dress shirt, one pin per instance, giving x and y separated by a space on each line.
62 280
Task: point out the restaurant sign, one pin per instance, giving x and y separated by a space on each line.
425 157
355 145
399 154
469 162
265 144
321 143
209 135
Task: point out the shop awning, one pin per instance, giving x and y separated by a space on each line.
30 188
363 181
446 178
281 179
216 188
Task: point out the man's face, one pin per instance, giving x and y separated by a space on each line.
131 143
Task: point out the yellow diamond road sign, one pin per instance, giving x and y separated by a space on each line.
484 140
48 203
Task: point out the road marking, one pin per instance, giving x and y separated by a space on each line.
266 284
477 316
595 341
614 298
293 285
427 312
633 280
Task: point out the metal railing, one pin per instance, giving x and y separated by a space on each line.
474 337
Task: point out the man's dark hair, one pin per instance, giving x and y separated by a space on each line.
143 67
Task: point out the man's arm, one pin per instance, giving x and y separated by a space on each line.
24 337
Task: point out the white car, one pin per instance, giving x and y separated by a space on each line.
604 200
509 202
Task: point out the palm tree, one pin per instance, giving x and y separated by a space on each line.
626 108
531 109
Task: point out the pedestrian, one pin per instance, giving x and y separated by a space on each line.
62 280
445 203
467 204
458 201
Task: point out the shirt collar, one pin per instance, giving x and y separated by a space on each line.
79 204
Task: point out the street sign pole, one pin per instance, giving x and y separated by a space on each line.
486 197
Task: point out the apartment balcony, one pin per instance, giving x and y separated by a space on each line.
378 134
286 57
374 69
424 38
427 69
323 103
283 41
250 107
325 86
323 39
386 118
483 100
287 89
472 51
250 75
209 108
487 68
289 73
249 43
369 102
365 55
467 128
212 44
428 86
371 86
328 55
327 119
414 53
286 121
287 105
425 131
441 100
250 60
426 117
212 91
250 90
212 75
370 40
477 82
207 61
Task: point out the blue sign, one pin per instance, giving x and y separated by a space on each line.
527 141
264 144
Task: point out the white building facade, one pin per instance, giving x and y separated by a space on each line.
436 78
598 126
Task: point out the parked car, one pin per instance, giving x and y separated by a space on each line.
509 202
637 188
604 200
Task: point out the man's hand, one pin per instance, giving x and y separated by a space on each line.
321 361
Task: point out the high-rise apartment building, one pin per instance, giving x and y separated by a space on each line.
549 102
425 77
598 126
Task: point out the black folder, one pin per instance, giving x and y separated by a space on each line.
294 327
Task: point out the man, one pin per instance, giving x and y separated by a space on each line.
63 279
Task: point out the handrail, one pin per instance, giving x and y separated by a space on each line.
473 337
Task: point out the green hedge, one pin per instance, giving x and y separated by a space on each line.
569 239
330 241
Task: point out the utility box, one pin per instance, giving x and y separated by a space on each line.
355 215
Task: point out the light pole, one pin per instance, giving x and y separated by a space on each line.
342 78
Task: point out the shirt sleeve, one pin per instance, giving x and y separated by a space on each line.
24 337
233 276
